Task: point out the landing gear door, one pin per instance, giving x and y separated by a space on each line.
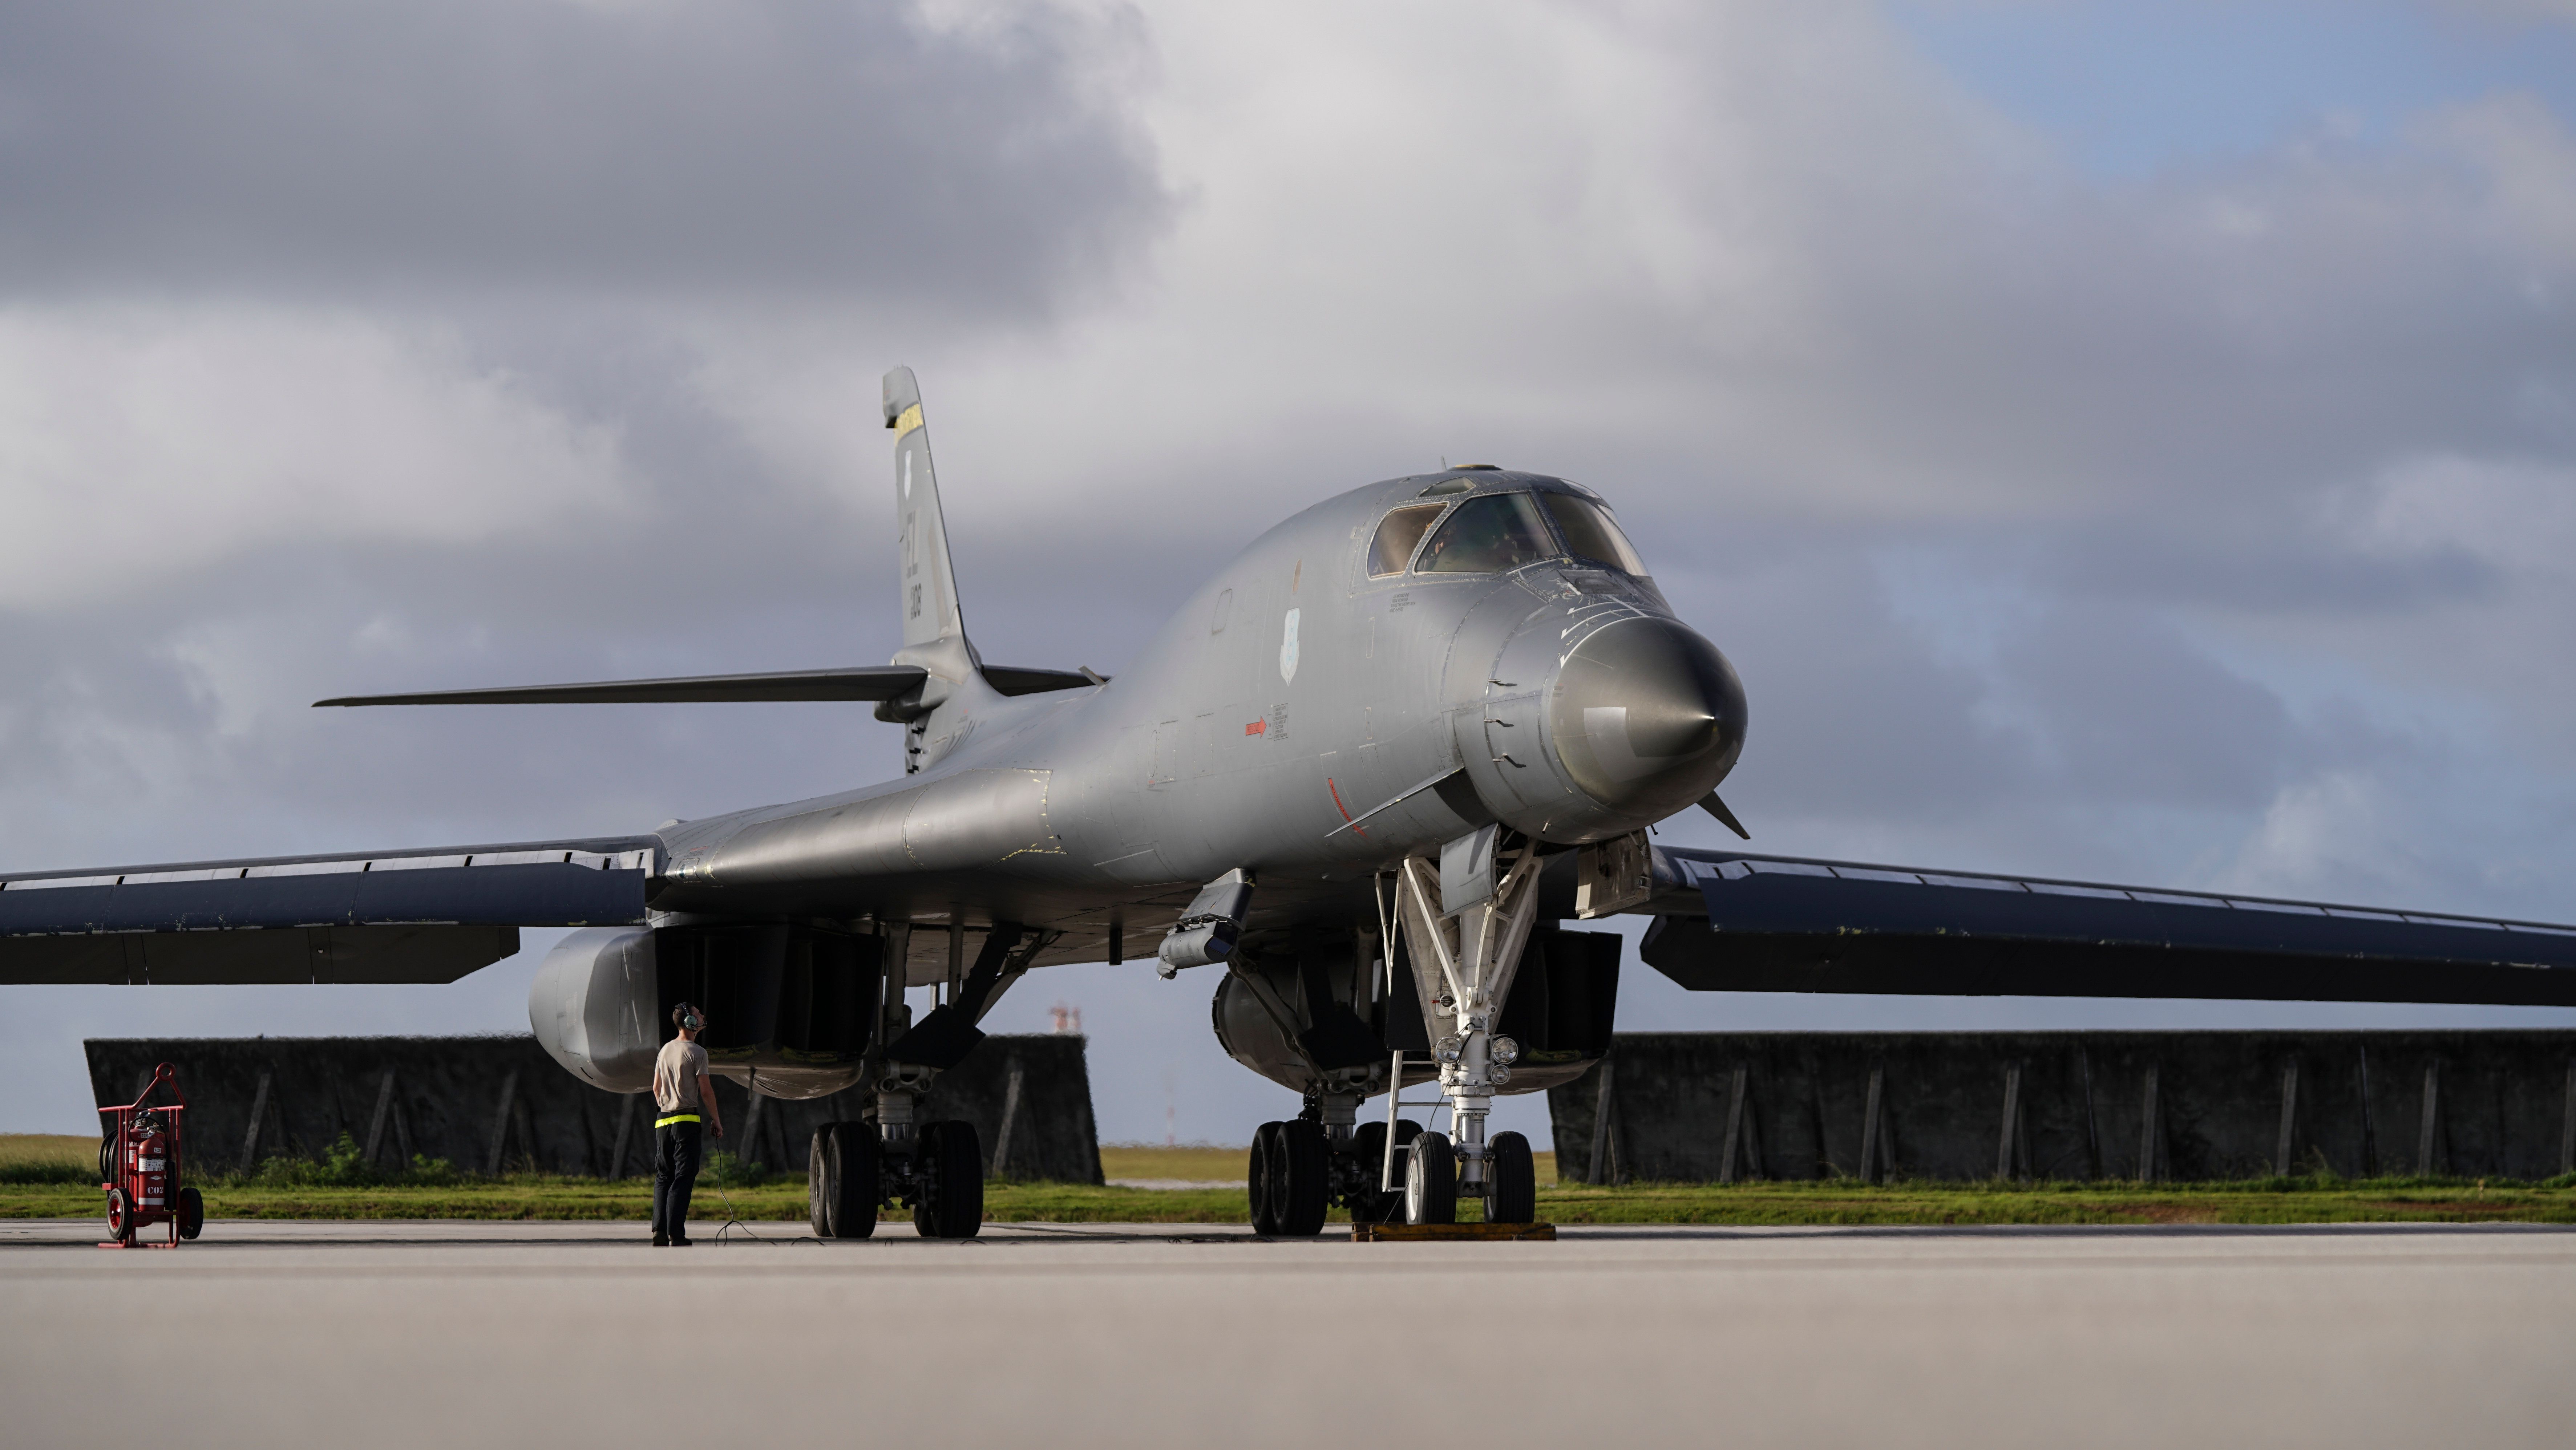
1613 876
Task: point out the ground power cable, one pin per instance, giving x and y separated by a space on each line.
734 1220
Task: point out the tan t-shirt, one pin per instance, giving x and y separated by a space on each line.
675 1075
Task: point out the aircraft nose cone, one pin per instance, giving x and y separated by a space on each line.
1648 717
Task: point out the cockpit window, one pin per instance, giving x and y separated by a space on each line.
1591 533
1495 532
1397 535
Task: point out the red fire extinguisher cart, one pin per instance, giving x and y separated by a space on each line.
141 1162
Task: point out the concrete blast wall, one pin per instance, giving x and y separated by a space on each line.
1721 1106
490 1104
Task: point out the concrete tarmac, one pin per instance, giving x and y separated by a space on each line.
446 1334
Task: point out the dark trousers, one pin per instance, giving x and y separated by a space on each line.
675 1172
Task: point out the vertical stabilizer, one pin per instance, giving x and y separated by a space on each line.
929 580
939 715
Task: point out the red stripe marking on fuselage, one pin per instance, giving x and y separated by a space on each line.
1345 810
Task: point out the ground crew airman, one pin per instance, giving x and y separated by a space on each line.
684 1096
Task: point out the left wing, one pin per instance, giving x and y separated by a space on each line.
854 682
1783 924
397 916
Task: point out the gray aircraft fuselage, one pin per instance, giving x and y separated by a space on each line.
1294 692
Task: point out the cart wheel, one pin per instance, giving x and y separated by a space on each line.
120 1219
192 1213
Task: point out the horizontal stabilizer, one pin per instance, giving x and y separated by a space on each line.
1776 924
1021 680
858 682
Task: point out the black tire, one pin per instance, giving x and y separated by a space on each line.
107 1160
843 1187
1430 1180
1307 1183
820 1188
120 1219
925 1179
1513 1180
1387 1207
951 1160
192 1213
1265 1180
1368 1159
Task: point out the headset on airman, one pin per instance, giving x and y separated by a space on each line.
688 1018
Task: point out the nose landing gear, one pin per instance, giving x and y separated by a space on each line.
1464 959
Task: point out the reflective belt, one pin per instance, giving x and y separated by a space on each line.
675 1118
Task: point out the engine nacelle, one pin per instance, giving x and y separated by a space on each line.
791 1010
596 1007
1315 1008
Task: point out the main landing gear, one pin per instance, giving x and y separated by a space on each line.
1300 1172
857 1169
851 1174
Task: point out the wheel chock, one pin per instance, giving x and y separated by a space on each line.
1416 1233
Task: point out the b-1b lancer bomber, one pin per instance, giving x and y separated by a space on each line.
1365 776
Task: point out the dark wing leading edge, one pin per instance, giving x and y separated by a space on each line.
858 682
408 916
1776 924
855 682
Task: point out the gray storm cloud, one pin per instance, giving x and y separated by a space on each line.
305 148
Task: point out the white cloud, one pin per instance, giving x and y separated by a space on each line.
138 443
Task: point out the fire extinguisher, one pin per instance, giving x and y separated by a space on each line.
142 1158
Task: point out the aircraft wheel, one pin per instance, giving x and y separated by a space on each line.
1515 1180
120 1218
842 1182
107 1160
1369 1142
1368 1154
1261 1172
952 1160
192 1213
1303 1172
1430 1180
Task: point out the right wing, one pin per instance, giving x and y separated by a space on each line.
1731 921
402 916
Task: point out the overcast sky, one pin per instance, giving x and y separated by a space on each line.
2123 442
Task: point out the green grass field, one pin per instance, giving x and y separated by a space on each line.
53 1177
